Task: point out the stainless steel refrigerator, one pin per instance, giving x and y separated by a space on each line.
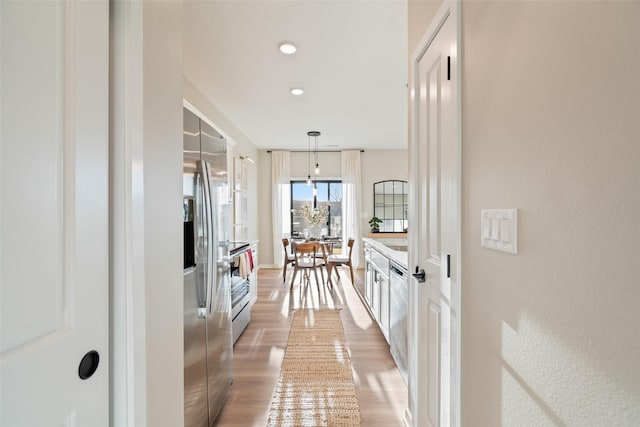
208 341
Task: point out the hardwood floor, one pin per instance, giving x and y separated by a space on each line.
258 354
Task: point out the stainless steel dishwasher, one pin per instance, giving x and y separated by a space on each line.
399 293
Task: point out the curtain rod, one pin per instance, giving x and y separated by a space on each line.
319 151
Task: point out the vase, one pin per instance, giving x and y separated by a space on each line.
315 232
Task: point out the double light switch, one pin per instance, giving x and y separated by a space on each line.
500 229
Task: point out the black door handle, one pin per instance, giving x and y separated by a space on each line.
420 275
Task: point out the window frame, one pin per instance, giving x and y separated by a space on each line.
315 198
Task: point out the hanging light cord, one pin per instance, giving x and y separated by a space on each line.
317 167
309 159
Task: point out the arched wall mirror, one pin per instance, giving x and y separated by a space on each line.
390 200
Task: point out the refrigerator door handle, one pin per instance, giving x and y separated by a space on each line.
202 189
204 167
200 227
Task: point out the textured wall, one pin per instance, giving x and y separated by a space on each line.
550 126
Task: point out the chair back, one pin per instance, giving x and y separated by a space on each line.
285 243
324 250
305 250
350 245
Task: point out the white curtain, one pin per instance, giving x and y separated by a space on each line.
280 184
351 186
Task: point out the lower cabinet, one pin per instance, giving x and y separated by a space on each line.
383 318
375 295
368 281
376 287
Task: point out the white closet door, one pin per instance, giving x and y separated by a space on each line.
54 213
436 150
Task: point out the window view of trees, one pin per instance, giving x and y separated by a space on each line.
329 194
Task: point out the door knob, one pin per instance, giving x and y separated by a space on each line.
420 275
88 364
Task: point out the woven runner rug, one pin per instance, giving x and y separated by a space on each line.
315 387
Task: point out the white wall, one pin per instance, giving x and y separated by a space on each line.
377 165
329 165
265 234
420 14
380 165
551 101
162 169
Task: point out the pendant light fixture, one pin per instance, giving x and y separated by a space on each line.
315 134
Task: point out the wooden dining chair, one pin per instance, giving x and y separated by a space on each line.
305 260
289 258
333 261
325 251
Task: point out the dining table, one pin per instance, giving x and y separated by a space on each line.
329 243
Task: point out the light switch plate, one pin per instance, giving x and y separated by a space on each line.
499 229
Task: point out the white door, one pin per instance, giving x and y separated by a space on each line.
436 175
54 213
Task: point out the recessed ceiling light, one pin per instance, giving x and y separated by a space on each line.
287 48
297 91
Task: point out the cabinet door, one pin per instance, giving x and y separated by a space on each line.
383 320
240 201
368 278
375 294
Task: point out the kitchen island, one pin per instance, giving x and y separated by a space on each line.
395 249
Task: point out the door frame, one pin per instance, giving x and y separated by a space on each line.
417 392
127 299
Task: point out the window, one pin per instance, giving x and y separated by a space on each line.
329 194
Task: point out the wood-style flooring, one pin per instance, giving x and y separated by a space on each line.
258 353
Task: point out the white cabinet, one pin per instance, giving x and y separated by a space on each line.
376 287
253 277
383 318
380 291
375 294
368 275
239 192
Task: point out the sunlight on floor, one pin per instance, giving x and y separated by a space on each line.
383 385
275 295
255 342
275 356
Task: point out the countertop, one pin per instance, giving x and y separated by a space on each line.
383 246
236 247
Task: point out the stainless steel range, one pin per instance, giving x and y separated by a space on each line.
241 265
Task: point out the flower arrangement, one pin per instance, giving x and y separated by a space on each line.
315 216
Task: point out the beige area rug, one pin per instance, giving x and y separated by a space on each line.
315 387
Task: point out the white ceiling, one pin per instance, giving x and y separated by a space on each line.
351 62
